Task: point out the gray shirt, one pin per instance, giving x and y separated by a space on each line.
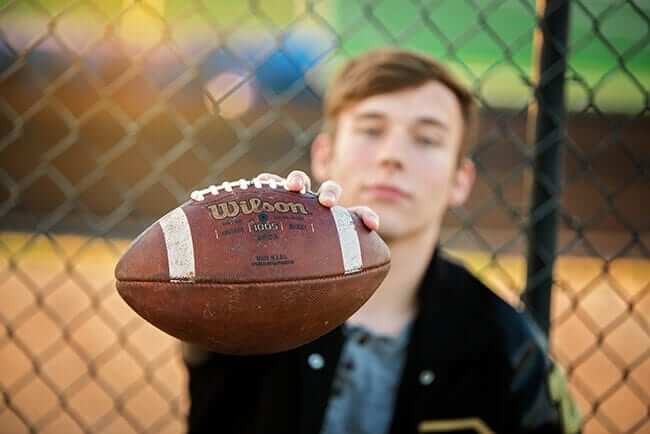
366 381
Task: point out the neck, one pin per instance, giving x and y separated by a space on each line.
395 301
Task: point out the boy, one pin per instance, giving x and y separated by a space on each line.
433 350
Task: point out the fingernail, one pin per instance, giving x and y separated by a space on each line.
328 196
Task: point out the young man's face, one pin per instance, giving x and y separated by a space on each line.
398 154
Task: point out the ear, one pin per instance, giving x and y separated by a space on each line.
462 183
322 153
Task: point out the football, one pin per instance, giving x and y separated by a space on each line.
248 267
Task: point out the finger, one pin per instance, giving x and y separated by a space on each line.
368 216
329 193
298 180
268 176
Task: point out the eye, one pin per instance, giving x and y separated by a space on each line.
427 141
370 131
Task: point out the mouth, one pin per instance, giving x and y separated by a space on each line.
386 192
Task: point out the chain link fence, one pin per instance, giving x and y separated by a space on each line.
112 111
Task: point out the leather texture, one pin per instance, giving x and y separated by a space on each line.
267 272
252 318
263 246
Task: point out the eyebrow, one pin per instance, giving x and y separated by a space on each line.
370 116
432 122
425 121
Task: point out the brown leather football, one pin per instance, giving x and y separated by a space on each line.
248 267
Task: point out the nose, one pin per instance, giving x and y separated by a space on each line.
391 150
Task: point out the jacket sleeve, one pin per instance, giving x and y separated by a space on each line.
222 390
538 400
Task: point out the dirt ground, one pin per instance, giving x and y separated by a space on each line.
75 358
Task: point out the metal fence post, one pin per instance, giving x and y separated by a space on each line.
549 135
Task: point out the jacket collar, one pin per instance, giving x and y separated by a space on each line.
449 303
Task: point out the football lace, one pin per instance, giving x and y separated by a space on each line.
199 195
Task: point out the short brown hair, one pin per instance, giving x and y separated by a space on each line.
388 70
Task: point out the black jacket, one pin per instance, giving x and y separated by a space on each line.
488 363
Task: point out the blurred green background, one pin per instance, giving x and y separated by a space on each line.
491 47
